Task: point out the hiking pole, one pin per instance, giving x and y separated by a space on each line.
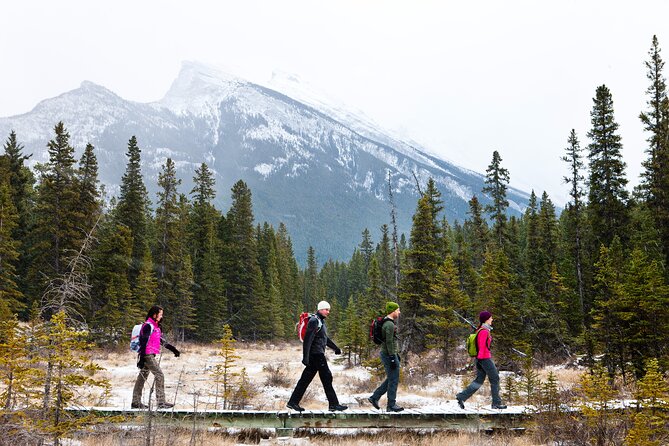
518 352
465 319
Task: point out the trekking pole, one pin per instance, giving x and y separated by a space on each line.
518 352
465 319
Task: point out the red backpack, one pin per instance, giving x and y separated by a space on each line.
303 322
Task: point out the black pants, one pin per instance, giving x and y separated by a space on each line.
317 364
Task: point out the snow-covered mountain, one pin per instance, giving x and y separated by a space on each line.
317 166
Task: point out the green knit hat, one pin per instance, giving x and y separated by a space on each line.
391 306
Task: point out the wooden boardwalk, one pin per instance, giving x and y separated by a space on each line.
284 421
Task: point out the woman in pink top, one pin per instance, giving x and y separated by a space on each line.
150 340
484 365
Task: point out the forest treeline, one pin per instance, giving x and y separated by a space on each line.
589 281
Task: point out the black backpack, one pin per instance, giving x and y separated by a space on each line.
376 329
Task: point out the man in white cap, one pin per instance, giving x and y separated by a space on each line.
313 357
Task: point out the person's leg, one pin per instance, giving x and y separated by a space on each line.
159 378
139 386
383 388
493 376
307 375
393 381
475 385
326 378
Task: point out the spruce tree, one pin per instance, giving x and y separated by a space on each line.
477 231
573 227
89 202
243 280
11 298
133 209
21 183
57 233
366 248
655 178
418 275
496 184
209 292
607 197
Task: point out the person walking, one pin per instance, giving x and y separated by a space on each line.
484 365
150 340
313 357
390 359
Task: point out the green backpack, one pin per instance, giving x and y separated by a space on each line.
472 346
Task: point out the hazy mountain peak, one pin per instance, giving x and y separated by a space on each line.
198 87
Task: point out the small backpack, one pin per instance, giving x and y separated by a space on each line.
376 329
303 322
471 344
134 336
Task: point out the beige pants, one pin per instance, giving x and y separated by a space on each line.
150 365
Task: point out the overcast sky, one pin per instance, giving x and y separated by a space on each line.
462 78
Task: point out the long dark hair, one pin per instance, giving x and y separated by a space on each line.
153 313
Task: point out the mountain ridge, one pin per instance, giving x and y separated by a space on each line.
323 173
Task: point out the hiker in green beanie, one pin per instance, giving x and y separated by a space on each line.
390 359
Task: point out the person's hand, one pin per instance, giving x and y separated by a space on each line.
337 351
393 362
141 362
173 349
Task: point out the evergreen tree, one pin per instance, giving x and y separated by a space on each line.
209 291
288 274
89 203
573 226
477 230
223 372
418 276
114 310
607 197
655 178
385 262
366 248
11 298
243 279
168 244
497 180
440 319
21 183
311 282
132 209
58 232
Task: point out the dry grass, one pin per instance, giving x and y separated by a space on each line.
183 437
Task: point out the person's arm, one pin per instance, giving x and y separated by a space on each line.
144 336
389 337
330 343
170 347
312 328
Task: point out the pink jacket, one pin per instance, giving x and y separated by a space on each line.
484 339
153 346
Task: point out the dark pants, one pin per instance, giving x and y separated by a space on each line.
484 367
317 364
390 384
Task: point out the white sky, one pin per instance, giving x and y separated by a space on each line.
463 78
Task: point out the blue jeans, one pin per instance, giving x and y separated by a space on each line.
484 367
390 384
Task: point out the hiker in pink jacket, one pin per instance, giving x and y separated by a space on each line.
150 341
484 365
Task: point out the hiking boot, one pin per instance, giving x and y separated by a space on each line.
294 406
460 403
165 405
499 406
395 408
373 402
138 406
337 407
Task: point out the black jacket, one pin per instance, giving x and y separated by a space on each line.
316 340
